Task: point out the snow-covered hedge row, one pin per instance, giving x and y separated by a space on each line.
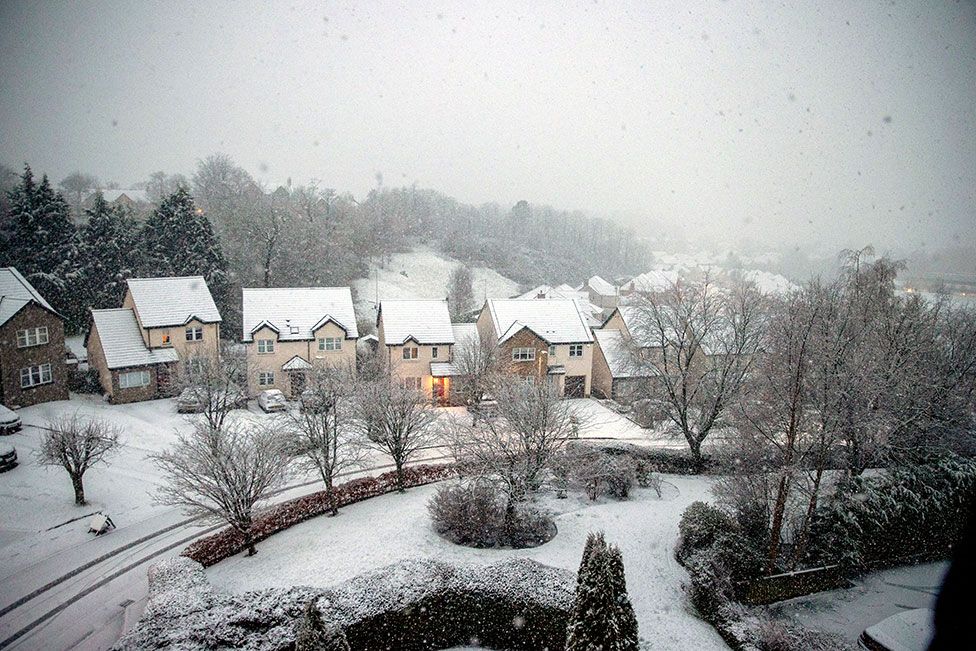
413 605
227 542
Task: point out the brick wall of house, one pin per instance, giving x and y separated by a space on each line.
120 396
12 359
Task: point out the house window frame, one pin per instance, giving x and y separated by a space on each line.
266 378
37 375
413 383
411 353
325 342
166 339
433 352
578 348
523 354
551 352
267 344
192 333
30 337
144 379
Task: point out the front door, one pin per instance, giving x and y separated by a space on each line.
438 391
575 386
297 383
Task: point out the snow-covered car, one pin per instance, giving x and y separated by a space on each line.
9 421
272 400
487 409
909 630
193 399
8 456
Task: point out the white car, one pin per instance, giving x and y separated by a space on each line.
8 457
9 421
272 400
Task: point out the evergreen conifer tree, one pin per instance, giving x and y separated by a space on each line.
603 618
106 244
626 621
313 634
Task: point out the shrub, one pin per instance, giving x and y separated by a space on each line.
84 381
312 634
473 514
700 526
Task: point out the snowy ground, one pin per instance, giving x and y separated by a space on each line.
874 597
423 273
380 531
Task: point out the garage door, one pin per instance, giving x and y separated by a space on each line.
575 386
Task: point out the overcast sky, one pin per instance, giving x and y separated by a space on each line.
840 123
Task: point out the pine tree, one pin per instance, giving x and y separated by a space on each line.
180 241
626 622
42 243
106 244
314 635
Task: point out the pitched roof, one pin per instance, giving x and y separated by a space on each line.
600 286
621 360
122 342
295 313
557 321
593 313
296 363
135 195
656 280
15 293
426 322
172 301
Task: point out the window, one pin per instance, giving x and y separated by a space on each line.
166 339
32 337
33 376
576 350
265 346
523 354
194 333
433 352
552 351
293 330
330 343
265 378
413 383
134 379
410 352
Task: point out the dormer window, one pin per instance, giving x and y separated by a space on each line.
194 333
165 339
265 346
410 352
330 343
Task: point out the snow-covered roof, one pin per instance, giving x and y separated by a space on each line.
295 313
600 286
557 321
621 360
443 369
426 322
122 342
593 313
15 293
656 280
296 363
172 301
138 196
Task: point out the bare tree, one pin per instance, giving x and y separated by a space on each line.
478 365
322 434
394 420
77 185
216 382
460 291
224 473
702 342
76 443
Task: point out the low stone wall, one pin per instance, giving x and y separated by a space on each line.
415 605
770 589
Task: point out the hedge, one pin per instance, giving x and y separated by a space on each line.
227 542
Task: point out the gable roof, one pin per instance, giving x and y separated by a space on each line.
15 293
426 322
122 342
557 321
593 313
295 313
172 301
621 360
600 286
296 363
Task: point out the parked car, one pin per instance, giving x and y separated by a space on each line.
487 409
193 399
909 630
8 457
9 421
272 400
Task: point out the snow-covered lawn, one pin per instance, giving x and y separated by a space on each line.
380 531
423 273
874 597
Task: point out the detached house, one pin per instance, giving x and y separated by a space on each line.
547 338
32 353
416 341
602 293
622 346
163 325
289 331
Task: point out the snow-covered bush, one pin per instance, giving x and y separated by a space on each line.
701 524
473 514
415 605
904 513
228 542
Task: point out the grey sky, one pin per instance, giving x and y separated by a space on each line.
840 123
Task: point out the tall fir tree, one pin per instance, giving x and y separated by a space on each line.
42 244
179 241
107 241
602 618
628 638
